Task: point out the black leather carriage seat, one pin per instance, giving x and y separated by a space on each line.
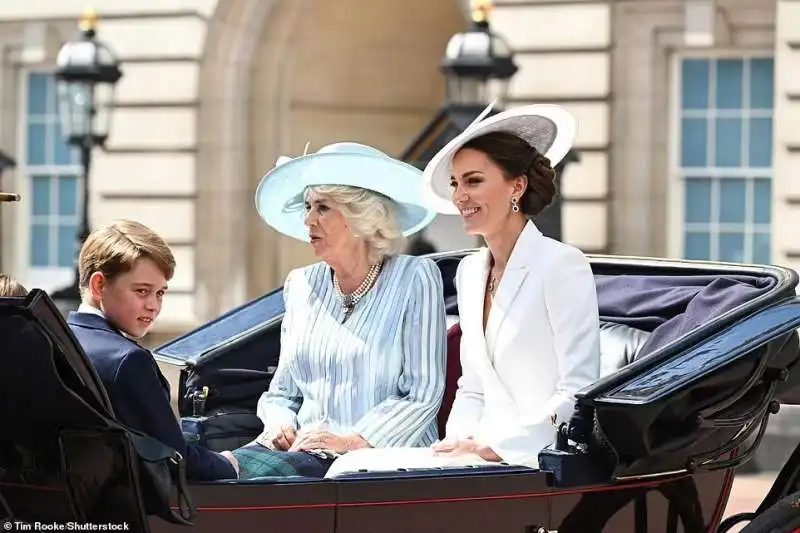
619 345
68 458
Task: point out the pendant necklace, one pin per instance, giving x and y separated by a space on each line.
349 301
492 284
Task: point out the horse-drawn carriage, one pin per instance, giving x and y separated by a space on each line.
695 358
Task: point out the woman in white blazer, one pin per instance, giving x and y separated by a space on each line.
527 303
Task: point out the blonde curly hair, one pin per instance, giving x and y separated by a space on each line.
371 215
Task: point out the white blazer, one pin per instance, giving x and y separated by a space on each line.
541 345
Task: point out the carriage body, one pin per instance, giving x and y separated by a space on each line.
696 356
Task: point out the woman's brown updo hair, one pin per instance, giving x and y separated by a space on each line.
518 158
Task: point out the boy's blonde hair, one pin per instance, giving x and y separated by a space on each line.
113 250
11 287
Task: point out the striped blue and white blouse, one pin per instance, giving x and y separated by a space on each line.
379 374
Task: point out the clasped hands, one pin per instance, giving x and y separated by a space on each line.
290 440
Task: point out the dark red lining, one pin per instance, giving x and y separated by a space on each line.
727 486
722 503
431 501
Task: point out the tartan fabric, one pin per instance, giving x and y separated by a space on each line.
256 460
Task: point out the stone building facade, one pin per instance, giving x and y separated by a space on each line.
685 109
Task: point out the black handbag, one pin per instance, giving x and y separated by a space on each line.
222 430
161 467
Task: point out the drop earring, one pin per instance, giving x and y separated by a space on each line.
514 204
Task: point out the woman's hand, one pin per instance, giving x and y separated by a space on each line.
463 447
232 459
284 439
325 440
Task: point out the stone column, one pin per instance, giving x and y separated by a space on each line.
786 151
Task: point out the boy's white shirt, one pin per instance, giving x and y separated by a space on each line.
92 310
86 308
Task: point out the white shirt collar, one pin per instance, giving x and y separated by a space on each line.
92 310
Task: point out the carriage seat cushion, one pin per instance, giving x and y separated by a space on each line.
452 374
619 345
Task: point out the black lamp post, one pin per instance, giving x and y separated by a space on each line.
6 161
550 220
476 61
475 58
87 74
478 65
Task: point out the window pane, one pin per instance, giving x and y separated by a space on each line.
696 245
40 187
694 84
37 154
761 248
67 245
37 94
760 142
698 200
694 134
731 247
68 195
732 200
728 142
729 83
762 202
40 245
762 83
64 153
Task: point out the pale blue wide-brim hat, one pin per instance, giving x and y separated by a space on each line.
280 197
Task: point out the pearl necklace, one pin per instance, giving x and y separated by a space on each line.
349 301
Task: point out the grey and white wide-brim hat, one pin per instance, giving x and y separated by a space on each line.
550 129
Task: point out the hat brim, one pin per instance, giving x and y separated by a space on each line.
280 199
549 128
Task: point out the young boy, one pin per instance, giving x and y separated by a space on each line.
11 287
124 269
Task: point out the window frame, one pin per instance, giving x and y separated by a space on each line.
676 184
51 277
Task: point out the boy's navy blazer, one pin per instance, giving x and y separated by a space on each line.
140 394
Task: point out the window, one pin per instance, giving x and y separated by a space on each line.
53 174
725 157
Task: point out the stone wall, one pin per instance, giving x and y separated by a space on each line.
563 49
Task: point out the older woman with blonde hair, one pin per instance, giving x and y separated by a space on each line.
10 287
363 336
